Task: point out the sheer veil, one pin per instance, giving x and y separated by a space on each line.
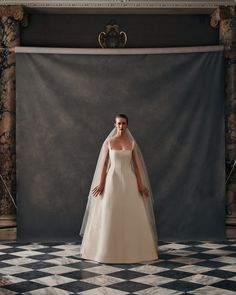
148 201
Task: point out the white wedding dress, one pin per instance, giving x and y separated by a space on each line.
118 228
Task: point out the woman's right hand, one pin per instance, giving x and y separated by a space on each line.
98 190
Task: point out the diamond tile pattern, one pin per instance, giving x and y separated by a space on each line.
57 269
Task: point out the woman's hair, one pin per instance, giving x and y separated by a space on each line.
122 116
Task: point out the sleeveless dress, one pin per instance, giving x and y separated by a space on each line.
118 229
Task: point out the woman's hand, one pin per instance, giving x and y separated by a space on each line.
98 189
143 189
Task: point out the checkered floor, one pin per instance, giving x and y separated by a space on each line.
56 268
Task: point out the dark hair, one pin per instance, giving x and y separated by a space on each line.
122 116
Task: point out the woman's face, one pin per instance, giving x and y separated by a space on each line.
121 124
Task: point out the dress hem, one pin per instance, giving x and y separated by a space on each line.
146 261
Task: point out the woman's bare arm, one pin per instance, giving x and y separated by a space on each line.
97 190
141 187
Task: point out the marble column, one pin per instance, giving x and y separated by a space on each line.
9 38
225 18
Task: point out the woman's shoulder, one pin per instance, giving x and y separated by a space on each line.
112 139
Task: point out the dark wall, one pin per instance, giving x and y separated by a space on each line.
81 30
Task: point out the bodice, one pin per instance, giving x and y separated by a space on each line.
120 159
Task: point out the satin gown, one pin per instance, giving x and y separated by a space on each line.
118 229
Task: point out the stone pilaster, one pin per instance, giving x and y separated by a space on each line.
225 17
9 38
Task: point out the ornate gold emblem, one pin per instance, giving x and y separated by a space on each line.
112 37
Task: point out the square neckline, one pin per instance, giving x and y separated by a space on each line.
109 145
120 150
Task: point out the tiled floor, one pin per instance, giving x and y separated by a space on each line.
203 268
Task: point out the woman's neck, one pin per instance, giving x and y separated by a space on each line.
120 134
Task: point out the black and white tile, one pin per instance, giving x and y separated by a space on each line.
57 269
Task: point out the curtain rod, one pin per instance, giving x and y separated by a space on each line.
120 51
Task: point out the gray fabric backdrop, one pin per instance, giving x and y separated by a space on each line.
65 108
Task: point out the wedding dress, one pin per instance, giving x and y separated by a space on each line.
118 228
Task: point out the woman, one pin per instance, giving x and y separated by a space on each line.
119 223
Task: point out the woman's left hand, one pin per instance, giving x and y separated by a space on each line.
143 190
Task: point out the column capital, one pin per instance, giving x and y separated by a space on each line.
222 13
14 11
